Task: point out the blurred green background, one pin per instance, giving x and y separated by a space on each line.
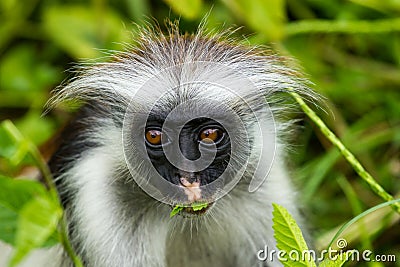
350 50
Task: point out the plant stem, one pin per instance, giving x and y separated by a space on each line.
375 186
359 216
67 244
63 232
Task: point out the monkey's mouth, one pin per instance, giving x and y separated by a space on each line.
195 210
192 211
197 204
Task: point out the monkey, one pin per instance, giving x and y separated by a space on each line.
176 120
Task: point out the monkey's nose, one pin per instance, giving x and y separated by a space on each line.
192 190
188 176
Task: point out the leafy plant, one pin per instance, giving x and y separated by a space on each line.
290 241
375 186
196 206
176 210
30 215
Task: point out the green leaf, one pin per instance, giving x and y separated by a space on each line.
175 210
38 221
189 9
14 136
82 31
8 224
14 195
7 145
289 237
195 207
199 206
339 260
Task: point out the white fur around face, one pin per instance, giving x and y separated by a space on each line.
108 240
230 234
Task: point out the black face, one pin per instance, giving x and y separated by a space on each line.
201 132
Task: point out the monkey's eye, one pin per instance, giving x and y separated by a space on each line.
211 135
153 137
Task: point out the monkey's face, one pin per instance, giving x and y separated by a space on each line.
195 135
201 135
192 141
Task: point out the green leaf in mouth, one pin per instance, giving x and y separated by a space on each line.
196 206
